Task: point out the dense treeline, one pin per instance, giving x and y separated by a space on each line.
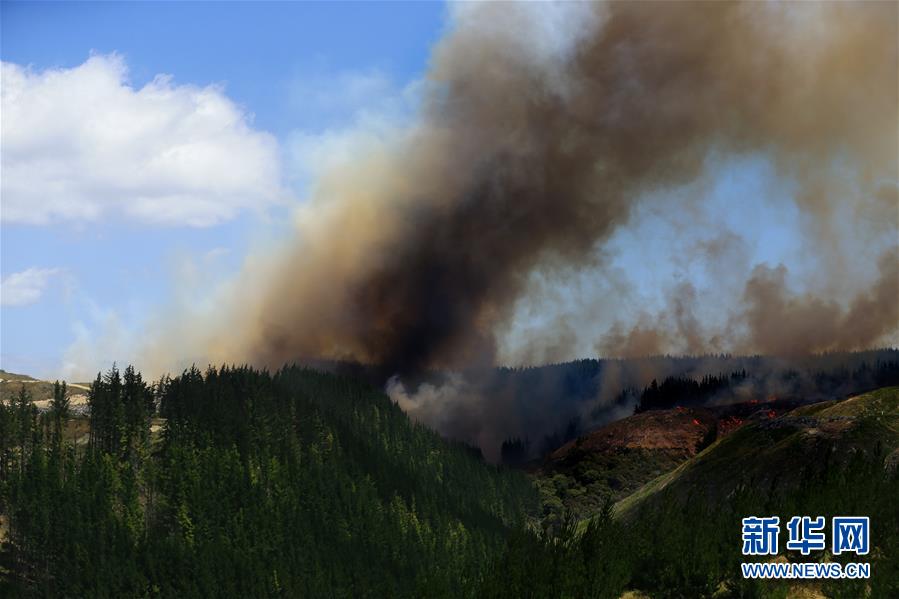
292 484
517 452
834 382
682 391
514 452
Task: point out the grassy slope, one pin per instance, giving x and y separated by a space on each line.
11 376
40 390
774 453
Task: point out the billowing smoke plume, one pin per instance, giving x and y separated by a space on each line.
530 153
541 128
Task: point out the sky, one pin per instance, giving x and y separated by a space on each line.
87 253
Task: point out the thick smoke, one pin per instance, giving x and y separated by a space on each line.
541 127
527 156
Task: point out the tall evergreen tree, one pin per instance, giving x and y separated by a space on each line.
59 411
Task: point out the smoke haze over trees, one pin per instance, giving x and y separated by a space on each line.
549 405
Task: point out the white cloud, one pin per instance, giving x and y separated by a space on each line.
26 287
81 143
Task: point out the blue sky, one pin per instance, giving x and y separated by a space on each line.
296 68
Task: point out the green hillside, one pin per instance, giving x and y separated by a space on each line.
288 484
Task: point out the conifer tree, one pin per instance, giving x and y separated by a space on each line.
59 411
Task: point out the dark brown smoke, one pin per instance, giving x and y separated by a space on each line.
537 135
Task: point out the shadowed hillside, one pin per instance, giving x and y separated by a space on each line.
679 535
781 453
